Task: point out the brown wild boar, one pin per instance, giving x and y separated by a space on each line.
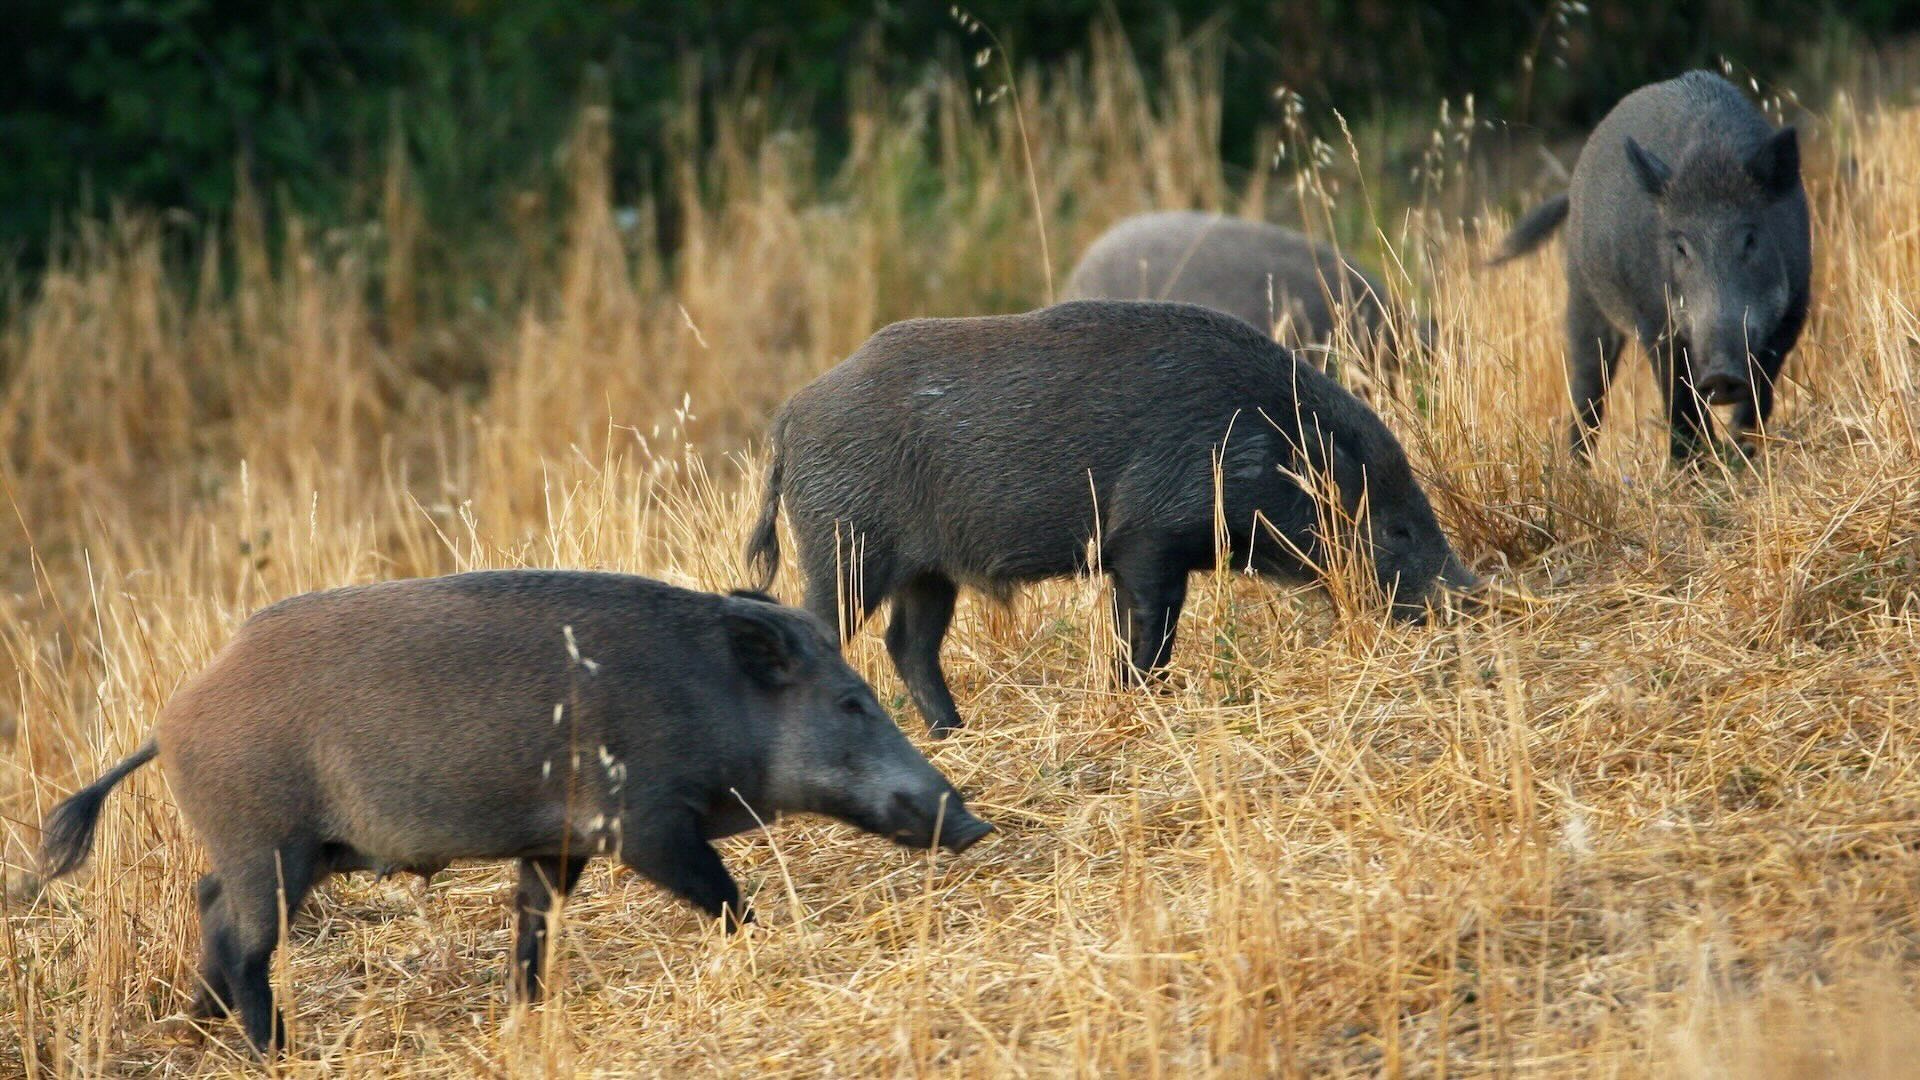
544 716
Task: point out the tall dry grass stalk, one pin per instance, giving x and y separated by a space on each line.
1658 820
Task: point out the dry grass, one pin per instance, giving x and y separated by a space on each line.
1657 822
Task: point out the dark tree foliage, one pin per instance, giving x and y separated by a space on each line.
164 103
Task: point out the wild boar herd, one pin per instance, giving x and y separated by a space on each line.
1144 429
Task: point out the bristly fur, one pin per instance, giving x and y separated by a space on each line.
1682 166
1712 176
403 725
990 452
1271 277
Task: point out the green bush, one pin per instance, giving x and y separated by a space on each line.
168 103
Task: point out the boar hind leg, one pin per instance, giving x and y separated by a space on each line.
544 883
1593 353
921 612
670 851
844 593
1148 594
254 893
211 996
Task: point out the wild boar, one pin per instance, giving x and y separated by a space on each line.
1284 284
544 716
1687 228
992 451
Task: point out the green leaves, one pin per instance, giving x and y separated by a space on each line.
156 103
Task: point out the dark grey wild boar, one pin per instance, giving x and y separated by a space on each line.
543 716
1274 278
992 451
1687 228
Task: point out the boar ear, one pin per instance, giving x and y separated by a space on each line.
1775 166
1652 173
769 647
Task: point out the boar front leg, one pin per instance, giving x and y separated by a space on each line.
1689 426
1149 589
669 849
1593 353
1751 413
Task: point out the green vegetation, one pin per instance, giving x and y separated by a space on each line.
182 104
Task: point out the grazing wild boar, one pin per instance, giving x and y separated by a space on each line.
1281 282
992 451
544 716
1687 228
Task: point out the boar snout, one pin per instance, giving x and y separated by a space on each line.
1455 577
1745 367
1461 589
962 831
916 816
1453 585
1722 388
1724 378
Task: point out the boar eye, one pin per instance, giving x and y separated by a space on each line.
1748 241
1680 248
852 705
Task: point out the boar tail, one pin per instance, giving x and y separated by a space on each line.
1532 229
67 835
763 544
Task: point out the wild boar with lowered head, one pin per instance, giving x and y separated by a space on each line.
993 451
1687 228
1295 290
543 716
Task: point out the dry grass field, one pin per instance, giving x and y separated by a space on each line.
1655 816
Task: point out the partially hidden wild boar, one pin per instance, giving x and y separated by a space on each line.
544 716
993 451
1293 289
1687 228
